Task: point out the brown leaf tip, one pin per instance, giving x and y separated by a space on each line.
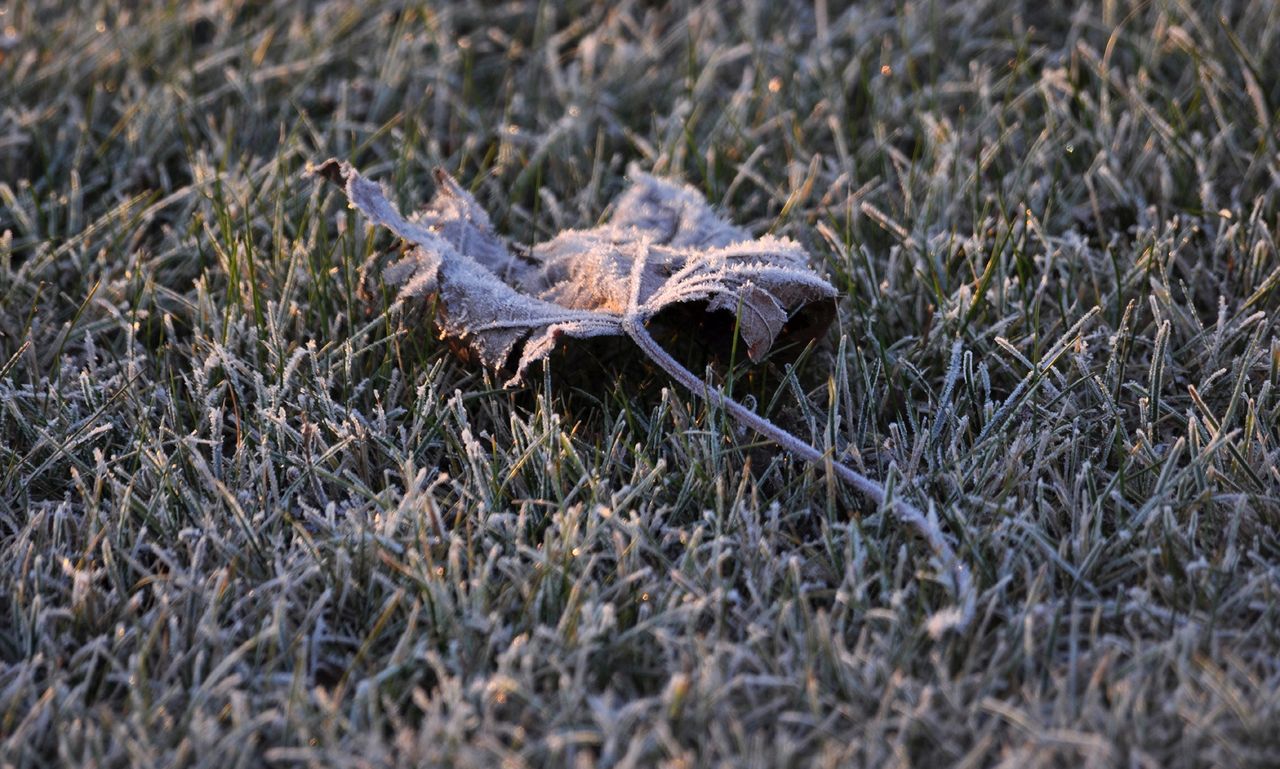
332 170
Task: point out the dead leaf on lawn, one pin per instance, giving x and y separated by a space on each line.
662 246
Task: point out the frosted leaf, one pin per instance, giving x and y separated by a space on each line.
662 246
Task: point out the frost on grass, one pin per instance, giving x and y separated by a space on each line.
664 246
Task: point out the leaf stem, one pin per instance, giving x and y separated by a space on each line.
905 512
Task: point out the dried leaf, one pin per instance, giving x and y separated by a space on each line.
662 246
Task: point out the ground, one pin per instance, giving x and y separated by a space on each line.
253 514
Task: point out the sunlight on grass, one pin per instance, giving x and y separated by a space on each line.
251 513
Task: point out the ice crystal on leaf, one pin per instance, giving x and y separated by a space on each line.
663 246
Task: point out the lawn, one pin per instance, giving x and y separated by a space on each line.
254 511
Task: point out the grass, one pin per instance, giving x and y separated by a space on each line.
250 517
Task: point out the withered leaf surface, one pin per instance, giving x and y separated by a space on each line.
662 246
